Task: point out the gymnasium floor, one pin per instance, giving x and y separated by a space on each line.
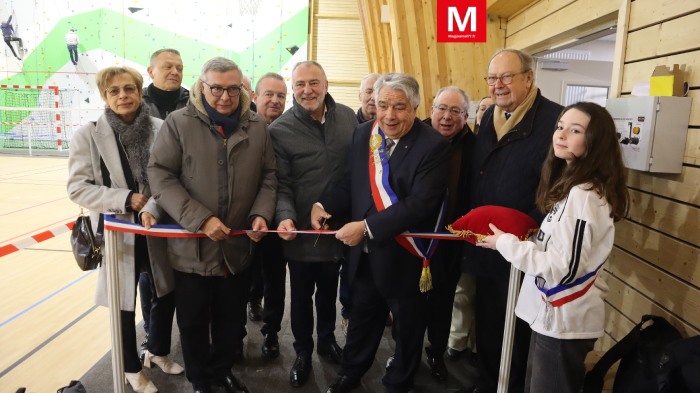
51 332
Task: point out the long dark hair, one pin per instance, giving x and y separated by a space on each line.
600 167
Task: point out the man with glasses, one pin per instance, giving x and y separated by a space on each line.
311 141
213 170
449 117
513 140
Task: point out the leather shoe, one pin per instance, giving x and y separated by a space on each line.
437 365
332 351
232 384
454 354
300 371
271 346
343 384
255 310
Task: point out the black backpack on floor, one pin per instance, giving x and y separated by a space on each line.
640 351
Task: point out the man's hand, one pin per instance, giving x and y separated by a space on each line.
147 220
138 201
287 225
259 224
352 233
215 229
319 217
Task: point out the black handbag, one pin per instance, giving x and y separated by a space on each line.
87 246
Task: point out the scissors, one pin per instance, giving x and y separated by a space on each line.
323 223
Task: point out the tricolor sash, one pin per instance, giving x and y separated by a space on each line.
384 196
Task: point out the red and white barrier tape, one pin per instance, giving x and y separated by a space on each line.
35 239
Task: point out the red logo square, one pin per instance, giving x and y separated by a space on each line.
461 20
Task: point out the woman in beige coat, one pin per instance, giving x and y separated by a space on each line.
117 148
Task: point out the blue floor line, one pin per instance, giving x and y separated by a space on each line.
45 299
46 342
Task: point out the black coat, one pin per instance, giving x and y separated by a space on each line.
507 173
418 176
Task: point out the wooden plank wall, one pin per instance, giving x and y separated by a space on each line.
656 262
410 46
337 43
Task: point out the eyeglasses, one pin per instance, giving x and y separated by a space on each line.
454 111
506 79
217 91
128 90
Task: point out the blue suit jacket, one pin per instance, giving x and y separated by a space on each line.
418 175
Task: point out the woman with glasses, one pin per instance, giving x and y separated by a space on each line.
107 174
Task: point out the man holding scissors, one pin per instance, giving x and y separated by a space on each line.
311 142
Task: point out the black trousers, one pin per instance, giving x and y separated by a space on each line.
305 278
8 41
446 272
209 305
489 313
367 322
274 274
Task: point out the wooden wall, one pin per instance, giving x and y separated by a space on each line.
336 41
656 262
408 44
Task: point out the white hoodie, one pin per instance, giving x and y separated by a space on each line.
562 295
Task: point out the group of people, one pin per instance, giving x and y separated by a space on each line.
202 159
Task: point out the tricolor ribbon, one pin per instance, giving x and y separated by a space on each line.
384 196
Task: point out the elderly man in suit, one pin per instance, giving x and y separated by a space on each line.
397 181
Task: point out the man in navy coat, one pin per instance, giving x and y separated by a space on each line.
397 180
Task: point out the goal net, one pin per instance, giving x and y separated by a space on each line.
35 117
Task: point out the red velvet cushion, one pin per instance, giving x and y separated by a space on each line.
474 225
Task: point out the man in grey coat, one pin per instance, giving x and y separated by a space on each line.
213 171
312 141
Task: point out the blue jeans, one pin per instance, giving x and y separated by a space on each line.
73 51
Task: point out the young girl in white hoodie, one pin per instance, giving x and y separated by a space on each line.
583 192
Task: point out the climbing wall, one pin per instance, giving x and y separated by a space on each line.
260 35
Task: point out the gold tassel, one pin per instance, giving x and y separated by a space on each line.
426 279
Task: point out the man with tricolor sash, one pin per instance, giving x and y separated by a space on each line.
396 183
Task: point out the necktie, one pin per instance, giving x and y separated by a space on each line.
389 146
507 115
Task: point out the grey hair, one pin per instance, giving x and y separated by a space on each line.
457 90
399 82
307 63
164 50
269 75
219 64
525 59
372 75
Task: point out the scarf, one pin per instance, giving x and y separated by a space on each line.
502 125
165 100
227 123
135 139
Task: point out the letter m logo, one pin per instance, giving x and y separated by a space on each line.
461 20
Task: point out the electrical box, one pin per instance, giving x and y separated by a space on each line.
652 131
